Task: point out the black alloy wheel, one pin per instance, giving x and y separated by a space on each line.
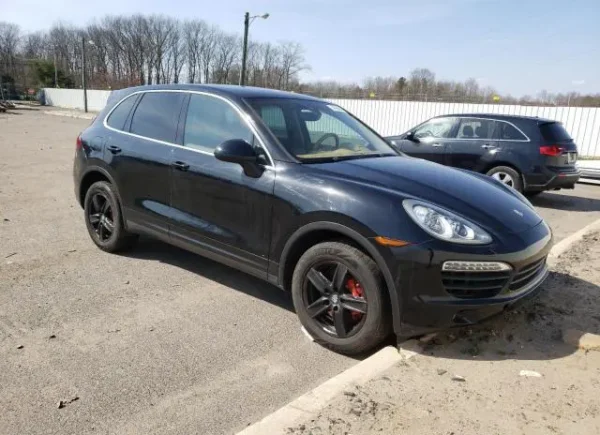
334 299
101 217
340 298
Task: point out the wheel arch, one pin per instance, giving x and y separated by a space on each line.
91 176
317 232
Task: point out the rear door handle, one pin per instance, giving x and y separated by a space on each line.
181 166
114 149
437 145
488 147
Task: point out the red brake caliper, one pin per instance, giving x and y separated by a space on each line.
356 290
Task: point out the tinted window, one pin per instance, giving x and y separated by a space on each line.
119 115
435 128
319 131
475 128
509 132
211 121
156 116
555 132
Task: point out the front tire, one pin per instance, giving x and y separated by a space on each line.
338 294
508 176
103 219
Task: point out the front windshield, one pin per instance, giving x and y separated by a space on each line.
316 131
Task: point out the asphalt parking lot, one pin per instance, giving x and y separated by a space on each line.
158 340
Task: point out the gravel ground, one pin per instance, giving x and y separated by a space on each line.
470 381
158 341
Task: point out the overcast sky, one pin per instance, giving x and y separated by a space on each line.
517 46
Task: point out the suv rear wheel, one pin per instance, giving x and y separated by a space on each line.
338 296
103 219
508 176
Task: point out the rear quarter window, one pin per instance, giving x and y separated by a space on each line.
555 132
119 115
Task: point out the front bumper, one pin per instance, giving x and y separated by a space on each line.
428 303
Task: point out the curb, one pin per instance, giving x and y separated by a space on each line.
565 244
70 114
308 405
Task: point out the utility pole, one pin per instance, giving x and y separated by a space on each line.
83 81
245 48
55 70
247 21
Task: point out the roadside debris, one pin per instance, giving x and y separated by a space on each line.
459 378
11 254
20 346
530 374
581 340
63 403
52 336
441 372
426 339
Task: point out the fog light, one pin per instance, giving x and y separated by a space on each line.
475 266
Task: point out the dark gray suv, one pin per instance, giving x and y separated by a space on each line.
529 154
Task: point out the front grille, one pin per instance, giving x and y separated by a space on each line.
527 274
474 285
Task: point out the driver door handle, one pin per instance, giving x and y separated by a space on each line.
437 145
488 146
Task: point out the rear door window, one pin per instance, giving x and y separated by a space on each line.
555 132
476 128
119 115
156 116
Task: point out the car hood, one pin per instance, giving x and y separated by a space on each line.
471 196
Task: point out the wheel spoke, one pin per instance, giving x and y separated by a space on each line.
109 225
352 303
340 323
105 206
339 276
318 280
101 231
318 307
95 218
96 203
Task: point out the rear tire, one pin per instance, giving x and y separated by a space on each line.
508 176
359 334
103 219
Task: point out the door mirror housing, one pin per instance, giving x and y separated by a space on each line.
241 152
411 137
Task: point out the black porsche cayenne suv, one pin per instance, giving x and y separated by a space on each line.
298 192
529 154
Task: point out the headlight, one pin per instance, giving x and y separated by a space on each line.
445 225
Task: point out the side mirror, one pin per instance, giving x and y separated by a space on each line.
411 137
241 152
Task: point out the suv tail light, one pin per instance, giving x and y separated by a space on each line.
79 143
551 150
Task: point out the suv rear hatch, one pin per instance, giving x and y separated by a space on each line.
557 146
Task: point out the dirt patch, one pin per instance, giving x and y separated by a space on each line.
512 375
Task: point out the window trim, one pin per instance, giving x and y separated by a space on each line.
496 120
242 115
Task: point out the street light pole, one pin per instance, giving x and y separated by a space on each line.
247 21
245 48
83 81
55 70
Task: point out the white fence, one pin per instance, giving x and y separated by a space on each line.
395 117
73 98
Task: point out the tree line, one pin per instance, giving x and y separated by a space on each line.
422 85
133 50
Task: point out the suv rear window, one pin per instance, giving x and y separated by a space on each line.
555 132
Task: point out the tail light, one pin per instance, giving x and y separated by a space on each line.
79 143
551 150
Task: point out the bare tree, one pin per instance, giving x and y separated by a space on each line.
292 62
